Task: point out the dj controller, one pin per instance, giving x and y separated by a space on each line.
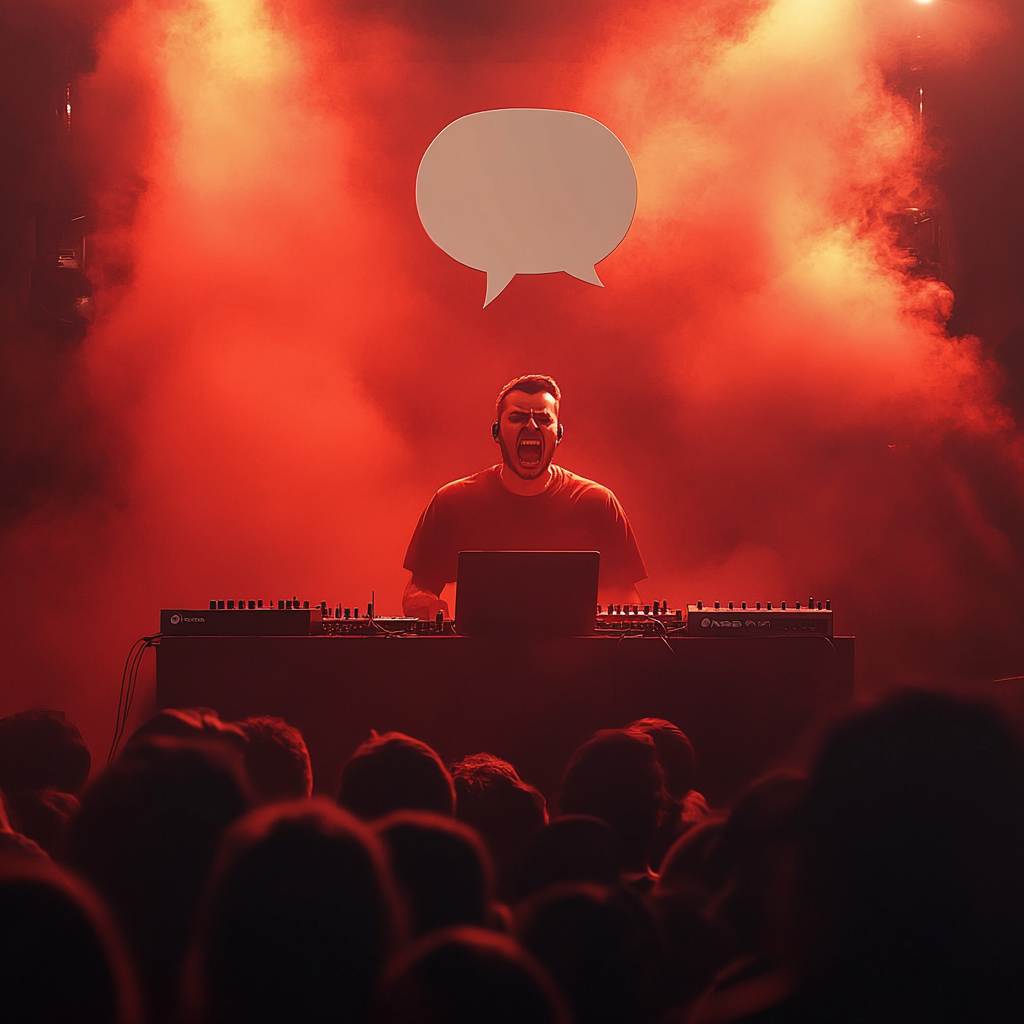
292 617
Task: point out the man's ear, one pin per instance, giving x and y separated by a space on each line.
558 436
496 430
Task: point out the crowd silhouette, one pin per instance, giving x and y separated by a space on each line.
197 880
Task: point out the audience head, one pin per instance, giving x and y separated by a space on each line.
756 852
694 857
462 975
189 724
145 838
602 946
675 754
441 868
44 815
911 891
615 776
490 796
300 918
41 749
14 847
276 760
576 848
60 956
394 772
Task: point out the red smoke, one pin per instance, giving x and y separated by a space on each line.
291 367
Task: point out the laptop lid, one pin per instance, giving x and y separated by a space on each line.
532 593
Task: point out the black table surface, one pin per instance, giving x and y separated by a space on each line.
746 703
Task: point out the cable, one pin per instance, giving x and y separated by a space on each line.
129 681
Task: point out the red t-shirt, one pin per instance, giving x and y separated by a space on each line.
478 513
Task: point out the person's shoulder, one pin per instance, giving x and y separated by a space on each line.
580 488
467 486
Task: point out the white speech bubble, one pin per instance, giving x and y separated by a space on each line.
526 191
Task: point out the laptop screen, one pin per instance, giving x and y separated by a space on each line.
532 593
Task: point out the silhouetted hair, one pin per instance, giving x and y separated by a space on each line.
490 796
755 852
912 892
189 724
145 838
675 753
694 858
463 975
41 749
276 760
602 946
60 956
300 918
530 384
574 848
615 776
441 868
44 815
395 772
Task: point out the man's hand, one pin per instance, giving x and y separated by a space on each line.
420 602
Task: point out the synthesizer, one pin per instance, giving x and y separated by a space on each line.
783 620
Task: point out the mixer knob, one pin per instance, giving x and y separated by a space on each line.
259 604
758 605
768 606
798 606
231 604
213 606
355 613
730 606
783 605
700 606
718 604
743 605
828 605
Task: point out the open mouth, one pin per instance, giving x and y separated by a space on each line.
528 452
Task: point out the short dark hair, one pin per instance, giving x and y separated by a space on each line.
394 772
276 760
530 384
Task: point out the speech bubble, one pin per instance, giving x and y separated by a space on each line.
526 191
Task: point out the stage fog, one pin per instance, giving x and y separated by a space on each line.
283 368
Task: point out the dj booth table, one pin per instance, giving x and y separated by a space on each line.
744 702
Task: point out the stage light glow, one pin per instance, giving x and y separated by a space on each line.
924 1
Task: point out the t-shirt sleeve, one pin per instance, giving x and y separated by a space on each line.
429 557
622 565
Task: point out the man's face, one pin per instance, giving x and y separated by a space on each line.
528 433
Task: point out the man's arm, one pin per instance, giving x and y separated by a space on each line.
421 602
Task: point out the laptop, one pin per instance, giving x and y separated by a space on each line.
527 593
